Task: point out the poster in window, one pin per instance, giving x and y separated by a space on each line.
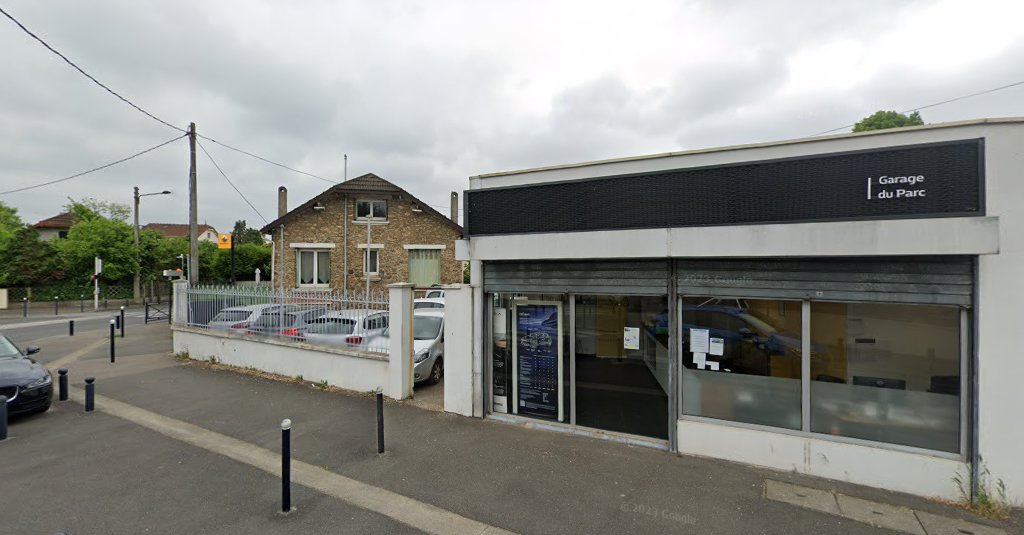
538 357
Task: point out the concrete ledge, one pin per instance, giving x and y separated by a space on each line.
351 370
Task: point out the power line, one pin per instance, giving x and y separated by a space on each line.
239 192
87 75
919 108
271 162
76 175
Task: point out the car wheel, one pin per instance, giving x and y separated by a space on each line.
437 372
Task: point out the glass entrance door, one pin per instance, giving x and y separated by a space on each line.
622 364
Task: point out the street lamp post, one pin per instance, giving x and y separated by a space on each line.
137 281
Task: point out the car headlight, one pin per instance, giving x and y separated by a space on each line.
42 381
421 355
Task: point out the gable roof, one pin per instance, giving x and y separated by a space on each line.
59 221
175 230
368 183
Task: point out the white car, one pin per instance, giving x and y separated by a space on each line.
348 328
240 318
434 294
427 345
427 303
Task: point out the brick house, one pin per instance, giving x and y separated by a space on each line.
327 238
56 227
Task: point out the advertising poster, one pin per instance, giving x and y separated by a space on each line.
538 360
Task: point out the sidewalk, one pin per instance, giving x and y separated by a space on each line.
518 479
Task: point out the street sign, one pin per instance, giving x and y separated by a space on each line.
98 266
224 241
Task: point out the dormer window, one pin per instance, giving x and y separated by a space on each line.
372 209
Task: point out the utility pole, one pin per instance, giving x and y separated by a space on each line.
193 209
137 280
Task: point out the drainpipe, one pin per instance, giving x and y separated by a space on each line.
975 410
344 250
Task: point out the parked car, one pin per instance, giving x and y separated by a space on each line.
351 328
428 346
434 294
27 384
428 303
286 324
240 318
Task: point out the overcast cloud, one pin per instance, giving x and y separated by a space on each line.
426 94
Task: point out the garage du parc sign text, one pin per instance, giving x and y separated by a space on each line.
896 187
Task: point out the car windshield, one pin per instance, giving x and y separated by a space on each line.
427 304
333 326
8 349
425 327
231 315
274 319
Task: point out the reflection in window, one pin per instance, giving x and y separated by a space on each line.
888 373
314 268
371 209
742 360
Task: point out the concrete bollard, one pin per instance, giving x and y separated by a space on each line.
62 384
90 394
380 422
3 417
122 322
286 465
111 341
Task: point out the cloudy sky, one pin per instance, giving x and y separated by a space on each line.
428 93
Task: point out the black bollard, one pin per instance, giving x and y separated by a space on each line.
122 322
81 303
90 394
71 327
380 422
56 305
286 465
24 307
3 417
111 340
117 321
62 384
104 301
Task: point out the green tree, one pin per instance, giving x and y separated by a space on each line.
92 235
248 257
28 260
242 235
883 119
10 224
90 206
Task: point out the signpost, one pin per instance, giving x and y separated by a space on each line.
97 269
224 241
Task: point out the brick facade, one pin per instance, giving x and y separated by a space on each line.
404 226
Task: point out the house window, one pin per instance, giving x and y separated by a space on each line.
424 267
62 234
313 268
370 264
371 209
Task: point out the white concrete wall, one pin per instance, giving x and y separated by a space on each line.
361 372
912 473
458 350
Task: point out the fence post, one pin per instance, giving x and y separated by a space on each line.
399 383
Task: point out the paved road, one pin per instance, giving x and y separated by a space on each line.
184 452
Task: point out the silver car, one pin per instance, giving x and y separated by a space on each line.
240 318
427 345
349 328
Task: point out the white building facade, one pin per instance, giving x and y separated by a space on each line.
841 306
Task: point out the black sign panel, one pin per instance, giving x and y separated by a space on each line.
933 180
537 355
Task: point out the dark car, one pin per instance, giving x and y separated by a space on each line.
27 384
291 325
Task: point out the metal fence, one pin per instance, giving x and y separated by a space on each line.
332 318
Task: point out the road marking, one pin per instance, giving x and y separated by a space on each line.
420 515
75 355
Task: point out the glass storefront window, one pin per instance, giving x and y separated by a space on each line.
742 360
888 373
622 379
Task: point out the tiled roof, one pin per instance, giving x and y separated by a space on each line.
59 221
368 183
175 230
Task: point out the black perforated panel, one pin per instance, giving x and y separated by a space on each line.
820 188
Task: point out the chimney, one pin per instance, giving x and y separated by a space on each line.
455 207
282 201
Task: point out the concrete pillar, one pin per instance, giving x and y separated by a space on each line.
179 308
476 278
399 385
459 373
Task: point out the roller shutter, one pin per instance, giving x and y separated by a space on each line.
647 277
945 280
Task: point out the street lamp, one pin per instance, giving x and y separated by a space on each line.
137 281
